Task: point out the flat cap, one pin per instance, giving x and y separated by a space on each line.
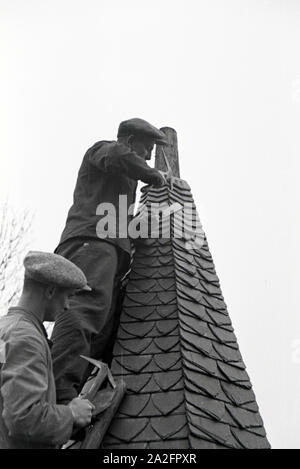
53 269
138 126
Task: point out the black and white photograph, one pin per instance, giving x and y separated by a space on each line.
149 236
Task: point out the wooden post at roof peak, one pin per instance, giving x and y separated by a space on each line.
171 152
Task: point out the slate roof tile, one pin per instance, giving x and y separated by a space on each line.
152 348
182 185
199 443
147 434
213 303
154 251
152 411
238 395
114 444
205 384
137 299
199 362
244 418
142 285
155 432
137 383
169 444
154 261
183 224
164 310
215 409
131 346
168 361
167 327
206 414
193 309
176 197
258 431
128 364
161 328
252 406
174 426
248 440
184 279
233 374
131 364
202 255
167 297
136 313
183 257
204 264
223 335
169 380
191 324
167 344
228 354
217 318
153 386
194 410
211 289
148 313
157 272
127 429
137 329
133 405
189 269
167 284
196 435
167 402
210 278
218 432
194 343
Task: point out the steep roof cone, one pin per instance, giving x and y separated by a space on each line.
176 348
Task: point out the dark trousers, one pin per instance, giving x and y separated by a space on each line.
88 326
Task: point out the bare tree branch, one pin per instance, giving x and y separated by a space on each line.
15 231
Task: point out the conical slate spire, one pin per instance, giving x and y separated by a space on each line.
176 349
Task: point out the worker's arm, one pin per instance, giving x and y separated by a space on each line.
24 384
114 157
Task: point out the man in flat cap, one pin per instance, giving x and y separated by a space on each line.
110 169
29 415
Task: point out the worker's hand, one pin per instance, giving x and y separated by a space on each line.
82 411
167 175
158 179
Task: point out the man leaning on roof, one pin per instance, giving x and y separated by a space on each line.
109 169
29 415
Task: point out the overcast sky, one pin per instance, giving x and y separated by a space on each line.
226 76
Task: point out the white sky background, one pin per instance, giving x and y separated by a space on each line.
226 76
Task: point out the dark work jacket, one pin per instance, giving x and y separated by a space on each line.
29 415
108 170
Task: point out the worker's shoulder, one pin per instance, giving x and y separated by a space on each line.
99 145
15 326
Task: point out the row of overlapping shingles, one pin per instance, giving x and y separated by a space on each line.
221 406
147 353
176 349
